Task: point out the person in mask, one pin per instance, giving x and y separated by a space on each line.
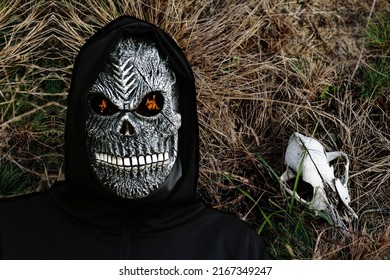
131 159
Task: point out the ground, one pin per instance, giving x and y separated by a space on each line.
263 69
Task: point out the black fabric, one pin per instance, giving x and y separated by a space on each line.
80 219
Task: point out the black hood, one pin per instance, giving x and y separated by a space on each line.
181 183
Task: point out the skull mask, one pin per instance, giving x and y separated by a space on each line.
308 155
132 120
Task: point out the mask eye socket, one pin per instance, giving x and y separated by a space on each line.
102 105
151 105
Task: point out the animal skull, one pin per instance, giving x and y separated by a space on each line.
309 156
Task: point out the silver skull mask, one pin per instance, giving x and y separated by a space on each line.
132 120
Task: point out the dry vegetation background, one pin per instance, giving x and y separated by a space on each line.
264 69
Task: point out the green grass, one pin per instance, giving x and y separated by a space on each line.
375 73
378 34
287 222
375 78
292 239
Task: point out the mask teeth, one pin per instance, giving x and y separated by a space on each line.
140 162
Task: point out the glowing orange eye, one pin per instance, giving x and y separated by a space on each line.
151 105
102 105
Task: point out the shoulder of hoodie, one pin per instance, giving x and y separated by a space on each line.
227 221
239 238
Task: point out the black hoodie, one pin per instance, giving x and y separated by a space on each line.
80 219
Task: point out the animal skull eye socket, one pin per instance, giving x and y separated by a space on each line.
102 105
151 104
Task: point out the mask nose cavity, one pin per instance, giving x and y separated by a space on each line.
127 128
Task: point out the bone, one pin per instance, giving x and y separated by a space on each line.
309 156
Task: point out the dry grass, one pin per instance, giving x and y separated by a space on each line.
264 69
